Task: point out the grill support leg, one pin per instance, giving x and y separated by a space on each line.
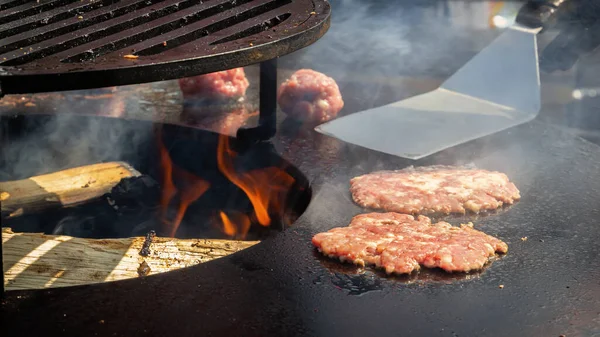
4 134
267 122
1 270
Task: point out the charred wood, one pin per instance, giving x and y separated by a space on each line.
60 189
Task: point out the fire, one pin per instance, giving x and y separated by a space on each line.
168 188
238 226
264 187
193 188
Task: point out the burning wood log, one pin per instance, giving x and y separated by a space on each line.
35 261
62 189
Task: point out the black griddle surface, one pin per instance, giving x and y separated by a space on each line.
281 287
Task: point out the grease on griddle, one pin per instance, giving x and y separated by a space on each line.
424 275
145 251
144 269
357 284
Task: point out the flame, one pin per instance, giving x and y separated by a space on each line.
193 188
264 187
168 188
228 227
239 226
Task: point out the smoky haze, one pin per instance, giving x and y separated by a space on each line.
372 46
66 140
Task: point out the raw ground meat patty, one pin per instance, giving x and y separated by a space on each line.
310 96
227 84
434 189
401 243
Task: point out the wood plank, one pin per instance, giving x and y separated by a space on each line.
36 261
62 189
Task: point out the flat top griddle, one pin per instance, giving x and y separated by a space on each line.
52 45
282 287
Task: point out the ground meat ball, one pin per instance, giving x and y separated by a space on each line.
401 243
434 189
227 84
310 96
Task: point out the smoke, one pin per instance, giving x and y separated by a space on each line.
359 36
372 45
66 140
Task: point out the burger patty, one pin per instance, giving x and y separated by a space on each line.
434 189
401 243
310 96
226 84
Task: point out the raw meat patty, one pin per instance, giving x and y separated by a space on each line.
401 243
310 96
434 189
225 84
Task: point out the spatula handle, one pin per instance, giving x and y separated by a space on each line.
539 13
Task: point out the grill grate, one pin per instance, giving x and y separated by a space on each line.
52 45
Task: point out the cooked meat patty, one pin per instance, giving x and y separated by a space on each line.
310 96
401 243
434 189
227 84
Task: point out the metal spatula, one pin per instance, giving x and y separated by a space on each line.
497 89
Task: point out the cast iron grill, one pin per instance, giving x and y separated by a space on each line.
52 45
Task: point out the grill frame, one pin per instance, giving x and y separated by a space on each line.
307 21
